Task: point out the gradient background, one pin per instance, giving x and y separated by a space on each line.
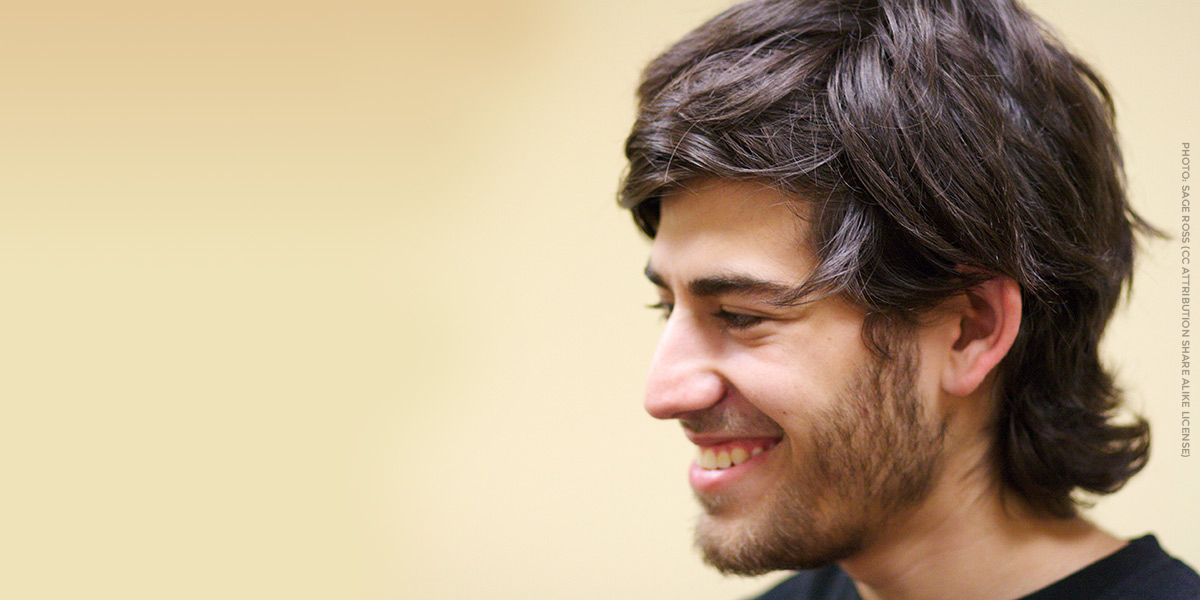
321 299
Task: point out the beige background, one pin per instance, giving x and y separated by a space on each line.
317 299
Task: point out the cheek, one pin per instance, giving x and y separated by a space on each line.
930 366
791 382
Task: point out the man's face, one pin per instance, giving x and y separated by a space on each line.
807 443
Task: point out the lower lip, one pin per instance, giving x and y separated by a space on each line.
706 481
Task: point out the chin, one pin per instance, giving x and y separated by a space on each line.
754 546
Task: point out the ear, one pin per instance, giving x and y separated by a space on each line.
988 317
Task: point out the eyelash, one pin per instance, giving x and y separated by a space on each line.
737 320
664 307
731 320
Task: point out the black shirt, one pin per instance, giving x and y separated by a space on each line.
1141 570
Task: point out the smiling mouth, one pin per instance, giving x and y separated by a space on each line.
730 454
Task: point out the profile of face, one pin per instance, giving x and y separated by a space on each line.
807 442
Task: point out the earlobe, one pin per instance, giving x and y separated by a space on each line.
988 318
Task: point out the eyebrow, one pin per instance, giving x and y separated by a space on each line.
772 292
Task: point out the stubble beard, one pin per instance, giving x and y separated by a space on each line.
872 455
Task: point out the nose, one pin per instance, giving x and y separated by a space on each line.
683 376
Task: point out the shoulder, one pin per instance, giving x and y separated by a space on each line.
1162 577
1141 570
826 583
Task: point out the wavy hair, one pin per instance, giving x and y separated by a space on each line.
940 143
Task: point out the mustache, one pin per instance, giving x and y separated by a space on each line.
723 418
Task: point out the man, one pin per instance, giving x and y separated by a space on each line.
887 237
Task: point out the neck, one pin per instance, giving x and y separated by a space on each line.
971 539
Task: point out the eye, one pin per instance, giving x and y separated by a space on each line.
735 320
662 306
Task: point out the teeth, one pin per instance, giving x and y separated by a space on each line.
712 460
723 460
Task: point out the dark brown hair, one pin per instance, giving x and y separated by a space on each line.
940 142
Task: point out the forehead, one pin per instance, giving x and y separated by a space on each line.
732 226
